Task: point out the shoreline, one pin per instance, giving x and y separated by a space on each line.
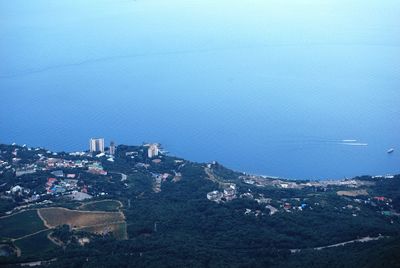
325 179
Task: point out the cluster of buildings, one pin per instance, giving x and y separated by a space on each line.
263 181
52 163
26 169
230 192
68 188
61 186
50 160
66 185
6 164
96 145
27 160
64 181
284 205
96 168
46 164
18 191
227 194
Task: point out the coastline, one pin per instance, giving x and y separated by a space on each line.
274 177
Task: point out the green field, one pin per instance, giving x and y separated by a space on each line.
38 243
20 224
7 250
105 205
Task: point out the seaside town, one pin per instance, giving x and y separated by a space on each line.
104 191
68 177
351 193
67 173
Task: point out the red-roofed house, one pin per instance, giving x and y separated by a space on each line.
50 181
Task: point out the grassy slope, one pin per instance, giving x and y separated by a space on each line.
20 224
37 243
106 205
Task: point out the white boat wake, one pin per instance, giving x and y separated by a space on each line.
353 143
349 141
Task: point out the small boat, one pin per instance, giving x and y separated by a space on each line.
391 150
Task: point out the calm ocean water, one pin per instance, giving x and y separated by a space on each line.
267 87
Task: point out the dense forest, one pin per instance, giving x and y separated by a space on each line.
179 227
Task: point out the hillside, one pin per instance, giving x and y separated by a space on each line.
129 209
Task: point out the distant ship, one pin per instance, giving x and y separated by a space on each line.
391 150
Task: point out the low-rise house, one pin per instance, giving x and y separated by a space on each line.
247 195
16 189
96 168
79 196
215 196
58 173
50 182
177 177
57 189
142 165
263 200
272 210
230 193
287 206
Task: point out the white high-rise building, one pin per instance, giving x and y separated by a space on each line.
112 148
153 150
96 145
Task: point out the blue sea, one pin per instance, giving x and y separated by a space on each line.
305 89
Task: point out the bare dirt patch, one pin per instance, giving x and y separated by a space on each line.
57 216
352 193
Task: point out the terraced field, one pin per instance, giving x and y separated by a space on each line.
98 222
28 230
